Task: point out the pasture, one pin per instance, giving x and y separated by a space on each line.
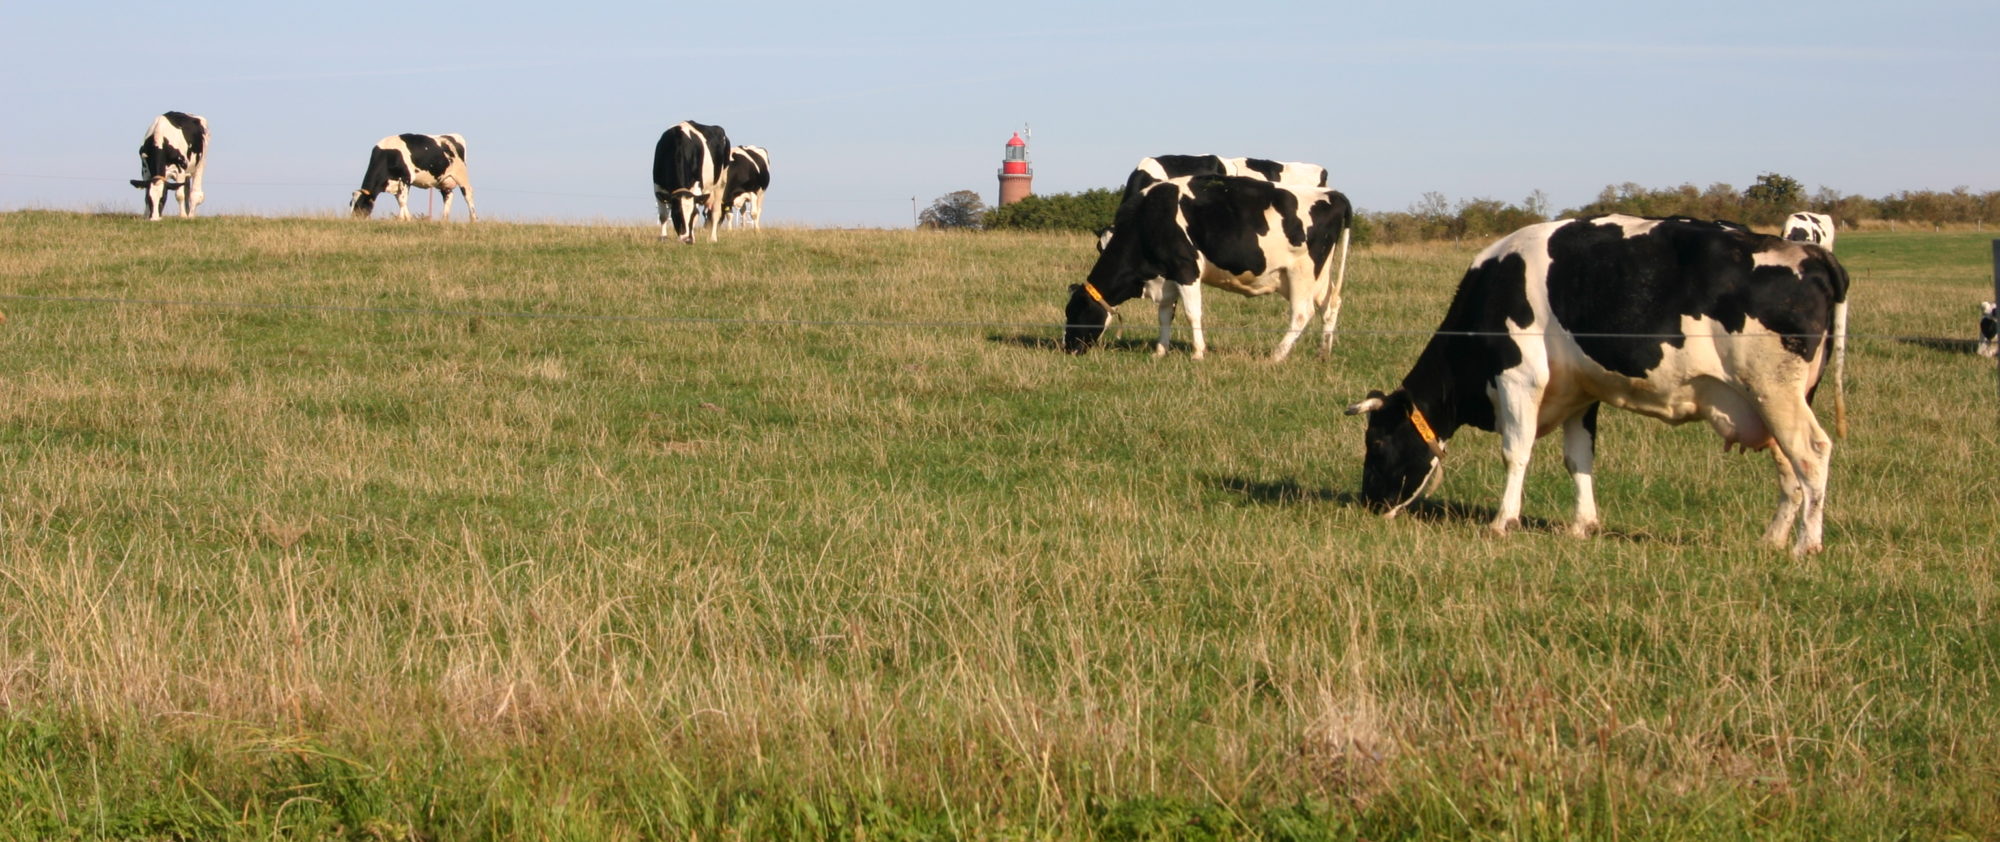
399 531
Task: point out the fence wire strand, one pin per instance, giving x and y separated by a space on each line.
1144 328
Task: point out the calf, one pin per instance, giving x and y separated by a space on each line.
689 163
1676 318
1815 228
1245 235
425 161
172 157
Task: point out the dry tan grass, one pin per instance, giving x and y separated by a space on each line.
940 563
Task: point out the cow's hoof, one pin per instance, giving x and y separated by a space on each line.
1583 529
1500 528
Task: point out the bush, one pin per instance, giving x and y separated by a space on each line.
1089 210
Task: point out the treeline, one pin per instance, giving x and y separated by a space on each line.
1434 217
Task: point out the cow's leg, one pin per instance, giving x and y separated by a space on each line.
756 208
665 202
1517 408
185 195
714 200
1191 294
1809 452
471 213
445 188
402 193
1791 497
1579 451
684 216
194 185
1170 294
1303 300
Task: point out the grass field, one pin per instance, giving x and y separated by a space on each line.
316 528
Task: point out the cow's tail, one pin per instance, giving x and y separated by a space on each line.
1339 274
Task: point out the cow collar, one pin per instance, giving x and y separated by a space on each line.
1090 289
1424 430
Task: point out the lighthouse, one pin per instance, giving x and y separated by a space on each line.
1017 179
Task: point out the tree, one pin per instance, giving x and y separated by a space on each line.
1773 197
958 209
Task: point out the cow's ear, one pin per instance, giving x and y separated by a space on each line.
1369 404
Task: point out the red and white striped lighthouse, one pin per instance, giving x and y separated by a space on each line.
1017 179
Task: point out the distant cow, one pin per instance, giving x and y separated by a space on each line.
1678 319
425 161
744 183
1815 228
689 164
1989 330
172 157
1158 168
1245 235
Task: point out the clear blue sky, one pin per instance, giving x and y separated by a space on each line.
865 106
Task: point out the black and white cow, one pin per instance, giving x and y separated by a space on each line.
172 157
1676 318
689 163
1158 168
1808 227
1245 235
1989 330
424 161
744 183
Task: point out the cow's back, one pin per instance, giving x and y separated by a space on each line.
690 156
1624 297
1641 313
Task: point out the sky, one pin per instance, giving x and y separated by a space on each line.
868 109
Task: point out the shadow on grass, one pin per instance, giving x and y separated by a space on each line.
1290 492
1939 343
1053 342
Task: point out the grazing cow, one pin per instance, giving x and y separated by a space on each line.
1153 170
1989 330
1678 319
689 164
172 157
744 183
1245 235
425 161
1807 227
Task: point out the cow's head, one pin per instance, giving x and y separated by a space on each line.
1084 319
1403 461
1989 329
362 203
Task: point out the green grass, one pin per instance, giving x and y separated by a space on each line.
507 531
